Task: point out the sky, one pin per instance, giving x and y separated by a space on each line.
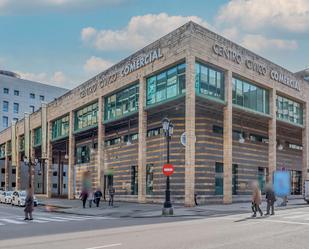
66 42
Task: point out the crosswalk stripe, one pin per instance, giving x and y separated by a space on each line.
13 221
295 216
51 219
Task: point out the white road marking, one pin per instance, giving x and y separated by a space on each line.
288 222
13 221
52 219
296 216
105 246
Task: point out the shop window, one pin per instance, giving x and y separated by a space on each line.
83 154
250 96
289 110
296 182
166 85
209 81
60 127
134 180
86 117
121 103
149 179
262 176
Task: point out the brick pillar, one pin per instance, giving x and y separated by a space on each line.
32 156
71 158
272 136
18 164
190 132
305 142
6 168
142 132
228 139
49 162
101 135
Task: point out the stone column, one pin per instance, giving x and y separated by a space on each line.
190 132
27 148
18 164
272 136
49 162
32 156
101 135
71 158
142 132
228 139
6 168
305 142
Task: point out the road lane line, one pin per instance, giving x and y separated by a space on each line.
51 219
105 246
13 221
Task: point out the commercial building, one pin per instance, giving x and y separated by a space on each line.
18 96
243 117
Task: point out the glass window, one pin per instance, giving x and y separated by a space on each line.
21 143
37 136
32 108
296 182
262 175
5 122
86 117
209 81
219 178
250 96
289 110
16 108
134 180
42 97
235 179
5 106
32 96
16 92
5 90
83 154
166 85
2 151
60 127
121 103
149 179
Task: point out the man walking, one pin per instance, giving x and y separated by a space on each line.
97 197
83 196
29 205
111 196
270 198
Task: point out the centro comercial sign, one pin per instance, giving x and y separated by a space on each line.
237 57
103 80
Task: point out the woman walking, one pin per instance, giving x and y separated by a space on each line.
256 199
29 205
83 196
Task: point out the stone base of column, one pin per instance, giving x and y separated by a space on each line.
227 200
167 211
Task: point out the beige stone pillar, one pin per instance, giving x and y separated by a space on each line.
6 168
18 164
190 132
32 156
13 144
44 130
305 142
27 134
142 132
49 163
71 158
101 135
228 139
272 136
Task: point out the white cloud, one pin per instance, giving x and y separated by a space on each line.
253 15
96 65
259 43
140 31
57 78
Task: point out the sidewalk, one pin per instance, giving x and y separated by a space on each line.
136 210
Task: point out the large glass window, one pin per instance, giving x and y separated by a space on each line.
21 143
37 136
86 117
60 127
5 121
289 110
122 103
296 182
149 179
166 85
16 108
83 154
250 96
2 150
5 106
219 179
209 81
134 180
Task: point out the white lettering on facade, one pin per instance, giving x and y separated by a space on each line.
227 53
284 79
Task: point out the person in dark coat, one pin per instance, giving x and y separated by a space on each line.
111 196
256 199
29 205
83 196
97 197
270 199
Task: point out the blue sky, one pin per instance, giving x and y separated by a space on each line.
65 42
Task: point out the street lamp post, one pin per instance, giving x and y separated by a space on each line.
168 128
29 163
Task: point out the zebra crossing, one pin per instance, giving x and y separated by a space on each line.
42 218
288 216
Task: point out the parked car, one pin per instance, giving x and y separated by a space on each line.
8 197
19 197
2 195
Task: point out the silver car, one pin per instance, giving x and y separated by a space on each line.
19 199
8 197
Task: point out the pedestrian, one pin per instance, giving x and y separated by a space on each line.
83 196
97 197
256 199
29 205
90 198
270 198
111 196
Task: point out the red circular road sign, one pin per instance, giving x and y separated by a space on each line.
168 169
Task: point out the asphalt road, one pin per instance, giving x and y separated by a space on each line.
287 229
